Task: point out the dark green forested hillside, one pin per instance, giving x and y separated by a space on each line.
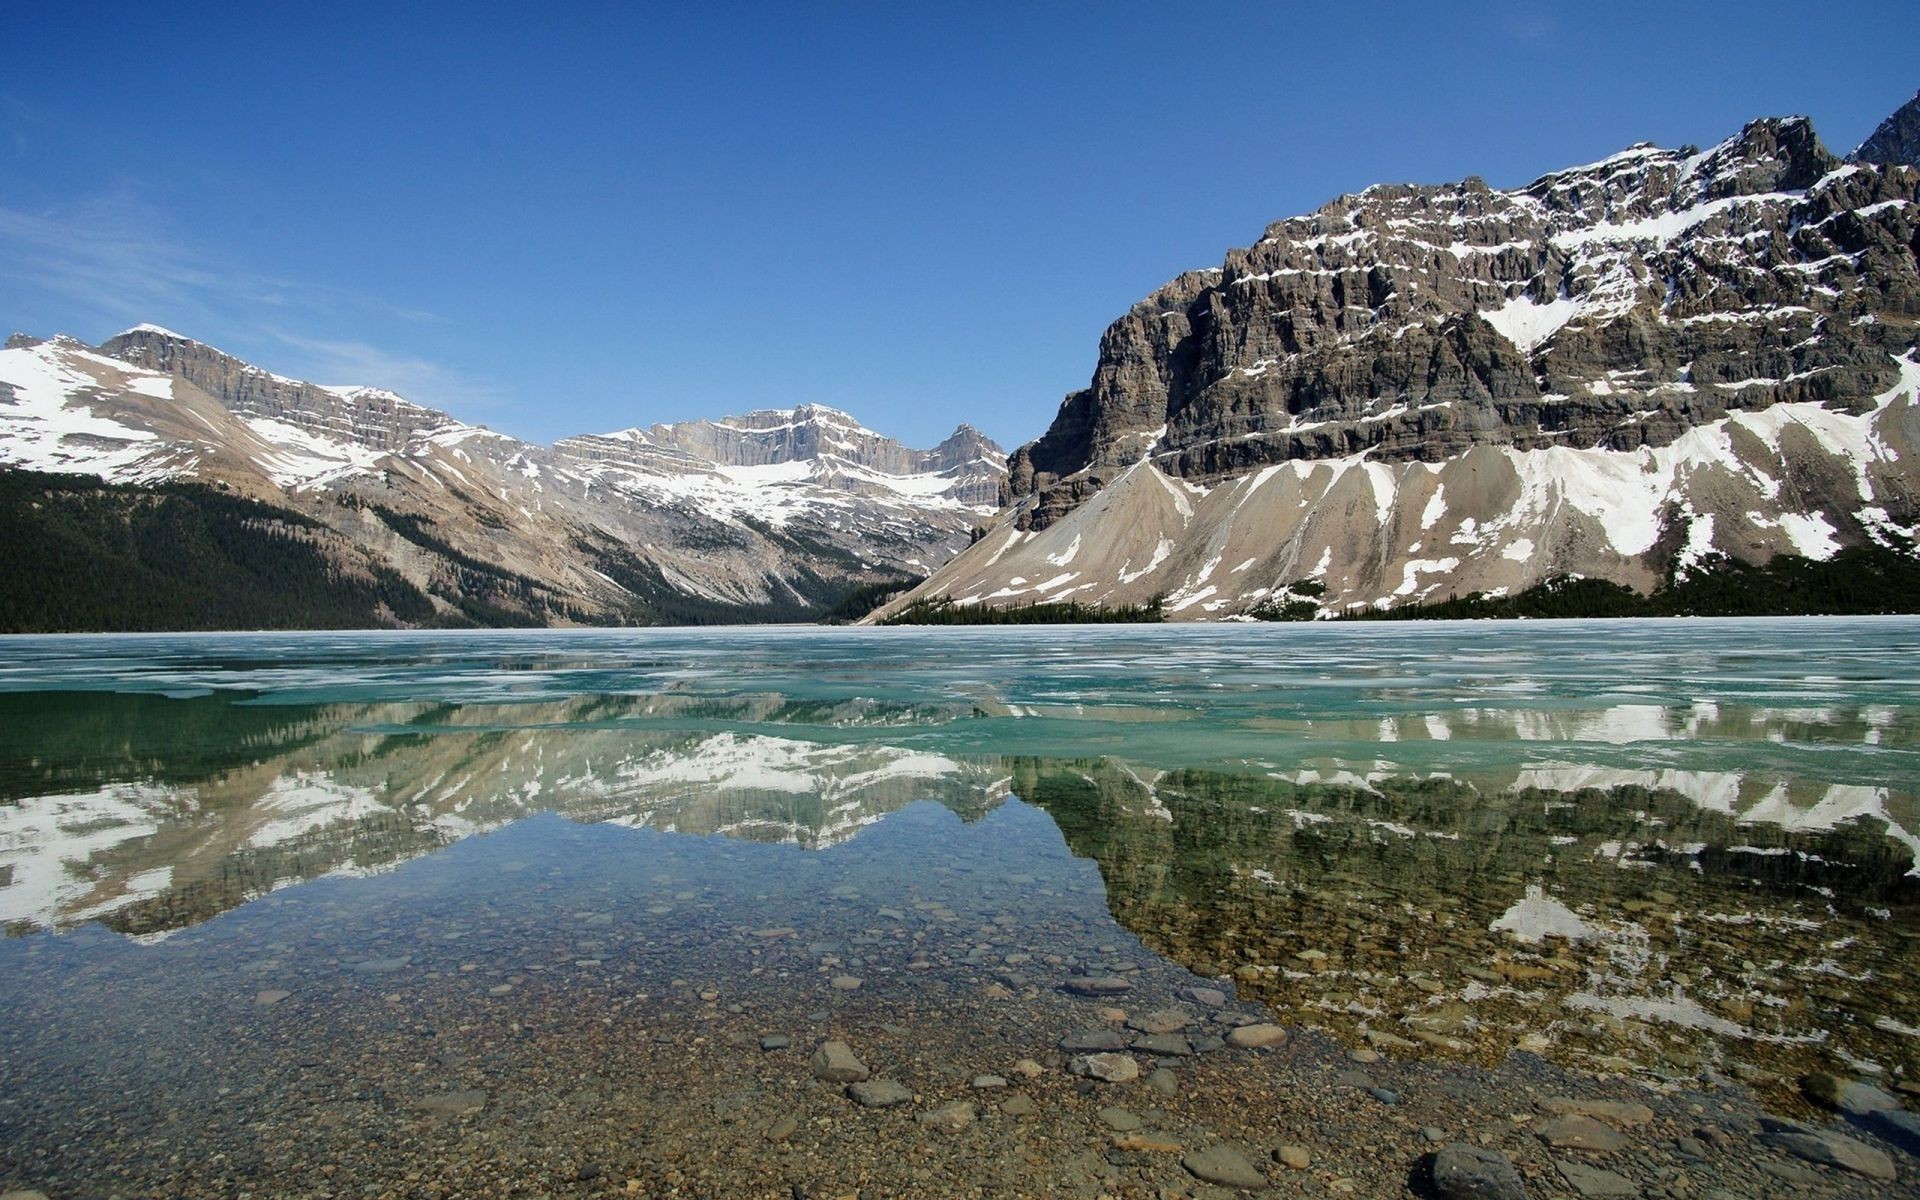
77 553
1855 582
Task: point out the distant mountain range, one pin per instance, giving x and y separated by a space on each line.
1656 371
353 506
1644 370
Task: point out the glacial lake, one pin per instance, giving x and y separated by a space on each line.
565 913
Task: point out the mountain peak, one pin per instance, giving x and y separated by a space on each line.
156 330
1896 140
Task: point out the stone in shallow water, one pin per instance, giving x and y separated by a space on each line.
1096 985
1119 1120
1210 997
1168 1045
1593 1181
1092 1041
845 983
1225 1166
271 996
1114 1068
1165 1020
950 1117
380 966
454 1104
834 1062
1835 1150
1620 1114
879 1093
783 1128
1462 1172
1846 1095
1257 1036
1898 1126
775 1041
987 1082
1163 1081
1296 1158
1580 1133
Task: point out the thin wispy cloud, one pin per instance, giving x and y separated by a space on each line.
116 260
329 361
110 254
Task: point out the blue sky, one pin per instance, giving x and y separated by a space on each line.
923 214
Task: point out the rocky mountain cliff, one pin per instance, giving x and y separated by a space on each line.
1896 140
1628 370
776 515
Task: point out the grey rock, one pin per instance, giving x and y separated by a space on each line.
782 1128
1593 1181
1580 1133
380 966
1837 1150
1163 1081
1092 1041
1897 1126
1119 1120
1462 1172
1096 985
1617 1113
951 1117
834 1062
1258 1036
1205 996
775 1041
1112 1068
1846 1095
1160 1021
1169 1045
1224 1166
879 1093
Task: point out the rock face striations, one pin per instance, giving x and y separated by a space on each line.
1623 370
775 515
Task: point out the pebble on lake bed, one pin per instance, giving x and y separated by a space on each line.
1257 1036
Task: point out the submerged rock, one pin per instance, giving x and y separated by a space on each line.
1846 1095
879 1093
1462 1172
1225 1166
834 1062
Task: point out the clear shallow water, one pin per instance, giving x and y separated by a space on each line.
1364 829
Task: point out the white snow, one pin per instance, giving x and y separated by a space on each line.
1537 916
1527 322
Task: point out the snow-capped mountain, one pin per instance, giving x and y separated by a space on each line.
1632 370
771 514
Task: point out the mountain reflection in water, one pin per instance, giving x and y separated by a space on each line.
1656 917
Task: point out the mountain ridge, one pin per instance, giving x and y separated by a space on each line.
490 528
1622 370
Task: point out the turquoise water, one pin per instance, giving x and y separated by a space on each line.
1656 848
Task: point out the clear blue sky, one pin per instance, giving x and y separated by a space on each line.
922 214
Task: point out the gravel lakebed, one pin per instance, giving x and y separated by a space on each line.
929 1010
